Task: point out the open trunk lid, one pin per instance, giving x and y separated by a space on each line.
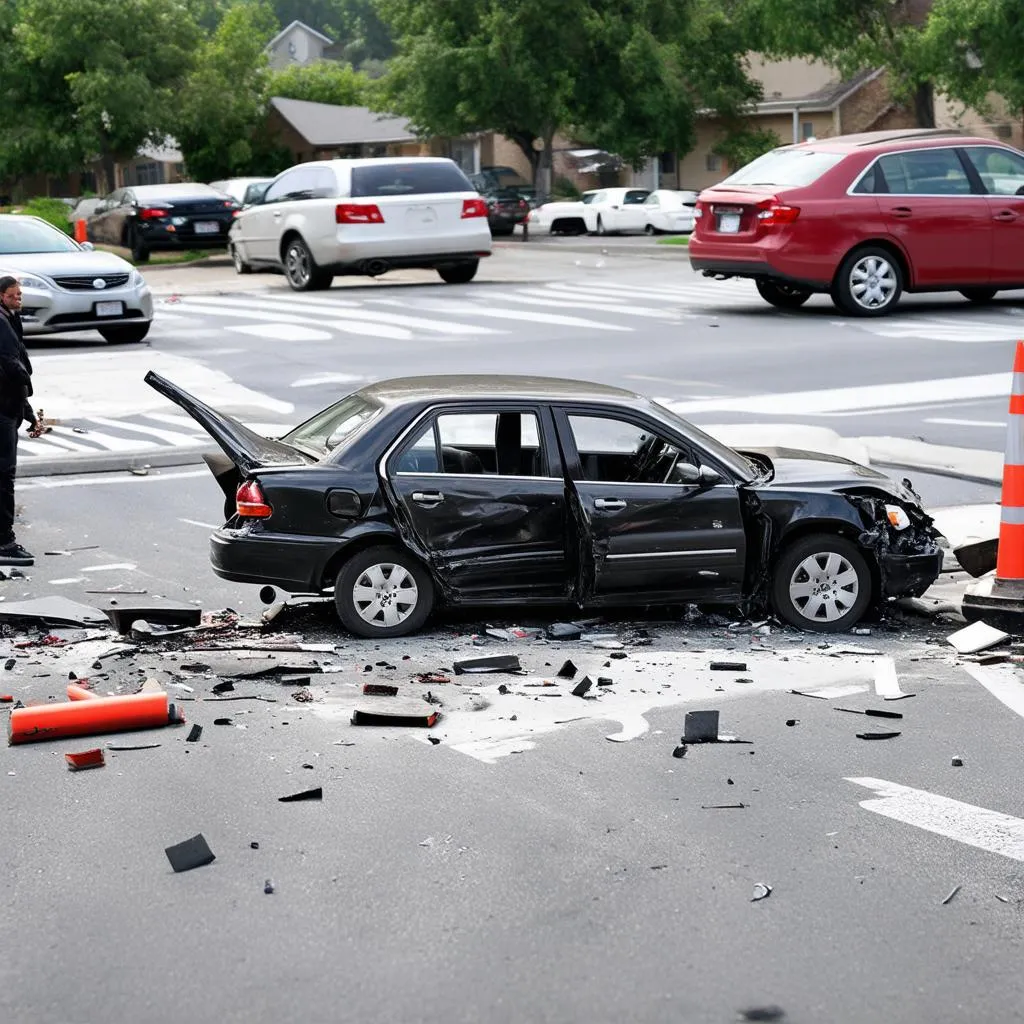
244 447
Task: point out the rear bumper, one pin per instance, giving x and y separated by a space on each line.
423 262
291 563
911 575
159 237
714 267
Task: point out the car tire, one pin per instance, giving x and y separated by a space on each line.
461 273
241 267
389 573
127 334
781 295
301 269
834 567
979 295
869 282
139 250
650 229
600 226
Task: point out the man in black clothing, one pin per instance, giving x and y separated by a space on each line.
15 389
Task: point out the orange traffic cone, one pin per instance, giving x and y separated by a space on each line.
81 235
88 717
1000 601
81 693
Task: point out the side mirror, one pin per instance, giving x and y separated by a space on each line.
686 473
709 477
88 246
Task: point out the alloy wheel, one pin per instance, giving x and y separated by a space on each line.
297 265
385 594
824 587
873 282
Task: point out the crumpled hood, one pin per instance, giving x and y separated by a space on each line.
793 467
60 264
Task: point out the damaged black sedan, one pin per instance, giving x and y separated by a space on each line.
526 491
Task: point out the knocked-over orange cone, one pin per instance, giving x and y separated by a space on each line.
81 234
89 717
1000 601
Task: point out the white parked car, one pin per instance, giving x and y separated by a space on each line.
242 190
70 287
669 212
616 209
561 218
365 216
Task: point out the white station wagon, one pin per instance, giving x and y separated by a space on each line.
365 216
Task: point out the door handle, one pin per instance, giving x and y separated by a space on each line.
1005 215
427 497
609 503
902 212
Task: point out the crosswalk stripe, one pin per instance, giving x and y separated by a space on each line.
398 319
519 314
171 437
540 297
708 291
114 444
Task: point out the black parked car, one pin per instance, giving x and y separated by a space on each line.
530 491
147 218
506 206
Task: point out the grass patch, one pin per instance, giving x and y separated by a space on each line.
675 240
158 259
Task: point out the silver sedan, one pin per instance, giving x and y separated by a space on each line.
71 287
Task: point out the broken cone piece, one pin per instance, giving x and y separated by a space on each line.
306 794
381 689
878 735
415 714
728 666
701 727
498 663
89 717
581 688
86 759
194 733
568 670
76 692
193 853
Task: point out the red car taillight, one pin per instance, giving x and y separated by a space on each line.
771 213
152 213
698 210
473 208
250 503
358 213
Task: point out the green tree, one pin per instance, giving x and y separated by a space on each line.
744 142
323 82
851 35
103 77
976 47
223 101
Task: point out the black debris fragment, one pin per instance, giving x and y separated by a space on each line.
222 721
870 712
761 892
414 714
52 611
802 693
568 670
952 894
564 631
618 655
434 740
792 721
605 681
680 751
503 689
722 807
495 663
728 666
380 689
582 687
957 762
156 613
10 663
303 696
254 845
268 887
878 735
701 727
223 687
306 794
762 1013
192 853
978 557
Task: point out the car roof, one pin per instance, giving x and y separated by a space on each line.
470 387
882 142
372 161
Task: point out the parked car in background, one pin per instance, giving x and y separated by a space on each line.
505 206
562 217
669 212
864 218
364 216
84 209
149 218
70 287
528 491
615 210
243 190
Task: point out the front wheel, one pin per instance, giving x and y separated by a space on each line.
129 334
461 273
301 270
600 226
651 230
822 583
979 295
869 282
383 592
783 296
241 267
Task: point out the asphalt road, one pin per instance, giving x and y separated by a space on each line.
527 869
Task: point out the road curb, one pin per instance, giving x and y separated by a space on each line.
206 261
109 462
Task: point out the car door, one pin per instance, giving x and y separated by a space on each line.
631 215
100 226
480 488
655 516
931 207
652 212
596 207
260 227
1001 172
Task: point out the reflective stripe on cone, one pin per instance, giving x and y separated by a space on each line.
1010 559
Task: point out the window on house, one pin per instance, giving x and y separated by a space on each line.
807 130
667 163
712 162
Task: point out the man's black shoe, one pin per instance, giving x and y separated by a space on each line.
15 554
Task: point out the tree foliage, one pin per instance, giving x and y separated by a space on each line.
743 142
323 82
223 101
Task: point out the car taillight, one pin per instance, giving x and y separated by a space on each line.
250 503
523 204
473 208
698 210
152 213
358 213
771 213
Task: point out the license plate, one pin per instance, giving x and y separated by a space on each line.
207 227
109 308
729 223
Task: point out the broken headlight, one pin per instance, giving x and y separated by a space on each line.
898 518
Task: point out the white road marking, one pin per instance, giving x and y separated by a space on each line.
171 437
105 479
280 332
67 579
196 522
966 423
595 305
1002 682
835 692
468 309
109 567
976 826
326 378
111 443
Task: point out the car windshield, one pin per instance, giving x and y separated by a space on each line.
728 457
793 167
588 197
31 236
333 427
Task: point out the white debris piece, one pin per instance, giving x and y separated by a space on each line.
977 637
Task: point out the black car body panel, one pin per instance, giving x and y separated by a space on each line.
515 508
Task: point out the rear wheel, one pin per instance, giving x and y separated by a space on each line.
869 282
600 226
979 295
241 267
651 230
128 334
461 273
822 583
301 270
140 251
784 296
383 592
